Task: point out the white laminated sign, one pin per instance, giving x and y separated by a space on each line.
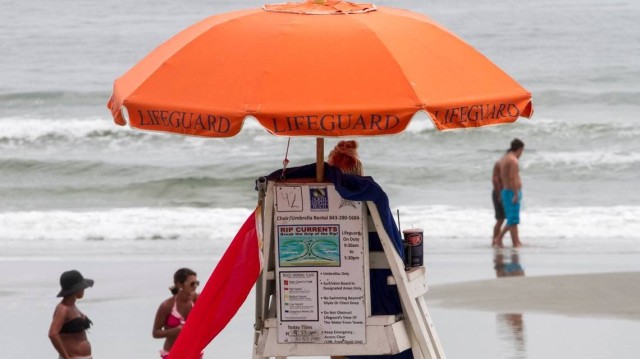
319 265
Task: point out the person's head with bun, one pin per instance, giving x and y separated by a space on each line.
345 156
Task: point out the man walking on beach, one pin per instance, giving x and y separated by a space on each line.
511 192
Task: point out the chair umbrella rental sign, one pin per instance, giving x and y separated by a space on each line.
321 68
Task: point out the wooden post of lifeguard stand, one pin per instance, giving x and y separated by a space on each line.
385 334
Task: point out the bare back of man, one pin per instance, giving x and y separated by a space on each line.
510 172
511 193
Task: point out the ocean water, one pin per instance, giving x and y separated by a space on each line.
72 182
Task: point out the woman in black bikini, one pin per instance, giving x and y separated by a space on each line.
68 328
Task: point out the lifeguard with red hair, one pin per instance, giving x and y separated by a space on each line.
345 156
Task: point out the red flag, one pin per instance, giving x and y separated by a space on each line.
223 294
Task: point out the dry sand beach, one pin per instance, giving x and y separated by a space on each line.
588 295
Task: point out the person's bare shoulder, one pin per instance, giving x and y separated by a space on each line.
167 304
504 161
61 312
61 309
514 162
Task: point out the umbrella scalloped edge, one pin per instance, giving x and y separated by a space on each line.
362 124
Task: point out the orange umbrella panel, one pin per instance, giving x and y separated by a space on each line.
355 70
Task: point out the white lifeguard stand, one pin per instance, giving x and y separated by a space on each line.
383 334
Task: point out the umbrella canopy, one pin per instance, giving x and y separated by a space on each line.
316 68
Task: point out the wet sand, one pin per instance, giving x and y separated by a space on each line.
523 316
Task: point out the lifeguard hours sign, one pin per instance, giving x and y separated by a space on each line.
319 265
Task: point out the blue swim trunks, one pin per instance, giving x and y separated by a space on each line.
512 210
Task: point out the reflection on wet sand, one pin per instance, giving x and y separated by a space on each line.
510 268
510 326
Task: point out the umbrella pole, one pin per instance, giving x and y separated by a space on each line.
319 159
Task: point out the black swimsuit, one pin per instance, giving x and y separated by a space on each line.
76 325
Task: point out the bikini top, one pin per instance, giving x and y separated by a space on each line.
174 319
76 325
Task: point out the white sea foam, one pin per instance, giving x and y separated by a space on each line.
582 229
586 159
30 129
156 231
120 231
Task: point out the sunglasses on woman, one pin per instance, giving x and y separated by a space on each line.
194 284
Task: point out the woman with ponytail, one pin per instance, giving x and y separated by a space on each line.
173 312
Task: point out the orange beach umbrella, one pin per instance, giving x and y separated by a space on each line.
316 68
